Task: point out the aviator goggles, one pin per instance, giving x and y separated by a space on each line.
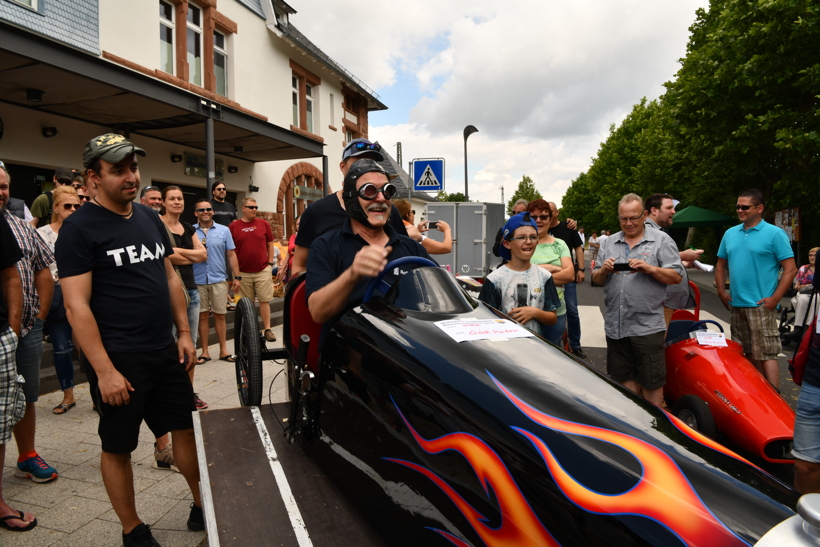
369 191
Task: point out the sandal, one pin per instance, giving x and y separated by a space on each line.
3 524
229 358
230 307
202 360
62 408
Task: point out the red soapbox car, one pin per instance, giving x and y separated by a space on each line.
716 389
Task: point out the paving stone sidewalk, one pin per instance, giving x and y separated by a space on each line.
74 509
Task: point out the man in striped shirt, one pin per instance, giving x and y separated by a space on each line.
635 265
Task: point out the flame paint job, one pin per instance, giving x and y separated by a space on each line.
584 460
519 525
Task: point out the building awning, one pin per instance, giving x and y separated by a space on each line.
90 89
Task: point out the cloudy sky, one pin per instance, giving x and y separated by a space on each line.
542 80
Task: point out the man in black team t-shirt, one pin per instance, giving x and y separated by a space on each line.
122 297
224 212
329 214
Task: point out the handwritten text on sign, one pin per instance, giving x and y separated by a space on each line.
462 330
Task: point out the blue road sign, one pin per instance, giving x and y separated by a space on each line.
428 175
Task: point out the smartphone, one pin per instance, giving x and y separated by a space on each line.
522 295
622 267
432 225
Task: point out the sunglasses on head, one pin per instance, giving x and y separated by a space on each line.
69 206
204 210
253 207
369 191
365 146
744 207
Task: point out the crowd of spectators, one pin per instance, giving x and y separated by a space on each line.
141 366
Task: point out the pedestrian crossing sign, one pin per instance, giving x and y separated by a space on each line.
428 175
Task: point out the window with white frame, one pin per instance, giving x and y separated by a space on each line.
28 3
220 64
295 91
194 39
166 37
309 107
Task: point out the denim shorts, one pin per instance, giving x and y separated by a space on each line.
807 424
29 357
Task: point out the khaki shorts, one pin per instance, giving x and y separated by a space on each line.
756 330
213 297
638 358
259 285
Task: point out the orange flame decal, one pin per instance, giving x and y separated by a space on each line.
519 525
663 493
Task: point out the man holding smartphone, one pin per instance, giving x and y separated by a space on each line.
635 265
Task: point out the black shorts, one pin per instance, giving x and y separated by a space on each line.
639 358
163 396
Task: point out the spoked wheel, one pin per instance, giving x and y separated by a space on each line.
248 354
694 412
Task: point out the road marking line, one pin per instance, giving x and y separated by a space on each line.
295 516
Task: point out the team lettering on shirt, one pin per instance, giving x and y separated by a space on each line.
133 257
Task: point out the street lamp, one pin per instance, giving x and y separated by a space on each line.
469 130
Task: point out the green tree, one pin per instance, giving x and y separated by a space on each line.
526 190
457 196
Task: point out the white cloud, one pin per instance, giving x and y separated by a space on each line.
542 80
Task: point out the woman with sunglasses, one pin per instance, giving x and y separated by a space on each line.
803 285
187 251
66 201
553 255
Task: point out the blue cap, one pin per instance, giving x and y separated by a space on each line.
514 223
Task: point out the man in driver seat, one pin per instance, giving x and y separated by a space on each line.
341 263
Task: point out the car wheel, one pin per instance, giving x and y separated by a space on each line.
247 346
694 412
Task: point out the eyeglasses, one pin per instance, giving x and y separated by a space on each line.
413 212
630 219
252 207
542 217
744 207
529 238
84 198
76 186
369 191
205 209
219 189
2 165
69 206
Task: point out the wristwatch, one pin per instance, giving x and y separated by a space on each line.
239 277
271 263
582 269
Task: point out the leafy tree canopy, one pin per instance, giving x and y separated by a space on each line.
457 196
742 112
526 190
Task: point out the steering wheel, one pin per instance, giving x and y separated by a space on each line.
696 324
378 281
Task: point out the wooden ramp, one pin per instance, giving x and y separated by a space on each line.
259 490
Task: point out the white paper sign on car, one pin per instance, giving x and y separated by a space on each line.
462 330
711 338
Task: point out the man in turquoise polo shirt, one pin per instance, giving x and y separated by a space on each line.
754 252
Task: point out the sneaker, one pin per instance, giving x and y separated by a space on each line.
140 536
164 459
579 352
196 520
269 336
200 404
36 469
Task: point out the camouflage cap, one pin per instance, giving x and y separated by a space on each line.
110 147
